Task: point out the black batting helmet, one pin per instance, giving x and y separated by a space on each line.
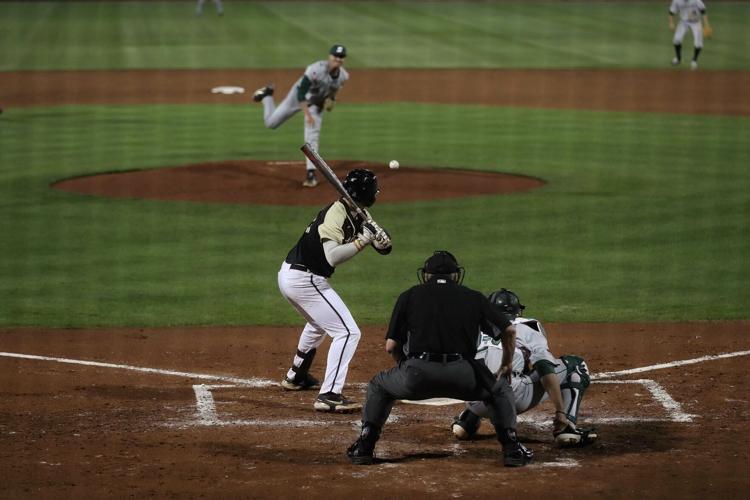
362 186
507 302
443 263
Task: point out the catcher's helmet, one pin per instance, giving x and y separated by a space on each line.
443 263
362 186
507 302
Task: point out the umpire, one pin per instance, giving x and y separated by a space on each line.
433 337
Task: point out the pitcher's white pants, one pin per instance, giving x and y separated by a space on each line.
325 312
696 28
274 116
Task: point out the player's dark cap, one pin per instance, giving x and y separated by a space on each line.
441 262
338 51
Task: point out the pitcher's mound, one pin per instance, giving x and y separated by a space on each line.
280 183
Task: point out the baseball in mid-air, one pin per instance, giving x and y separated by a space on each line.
394 164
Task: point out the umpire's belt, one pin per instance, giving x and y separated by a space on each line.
436 357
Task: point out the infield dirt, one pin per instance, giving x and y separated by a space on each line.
69 430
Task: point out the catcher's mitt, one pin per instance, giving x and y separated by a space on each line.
708 31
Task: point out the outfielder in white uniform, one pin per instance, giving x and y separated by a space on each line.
692 17
335 235
314 93
217 3
537 376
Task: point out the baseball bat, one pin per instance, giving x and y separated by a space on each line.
330 176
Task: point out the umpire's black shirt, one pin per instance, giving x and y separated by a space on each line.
442 317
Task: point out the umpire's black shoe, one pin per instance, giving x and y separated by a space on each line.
516 455
361 452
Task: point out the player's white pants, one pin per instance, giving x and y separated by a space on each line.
529 392
325 312
199 7
274 116
696 28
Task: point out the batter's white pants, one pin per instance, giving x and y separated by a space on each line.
274 116
696 28
325 312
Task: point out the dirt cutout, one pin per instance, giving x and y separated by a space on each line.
280 183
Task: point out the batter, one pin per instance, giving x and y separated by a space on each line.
313 93
537 376
692 17
335 235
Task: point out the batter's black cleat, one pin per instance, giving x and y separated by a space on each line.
300 383
516 455
361 452
262 92
466 425
335 403
571 437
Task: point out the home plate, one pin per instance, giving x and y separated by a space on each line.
433 401
228 90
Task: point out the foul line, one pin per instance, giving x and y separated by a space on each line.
249 382
673 364
672 407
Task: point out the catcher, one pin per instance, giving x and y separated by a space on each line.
537 376
693 17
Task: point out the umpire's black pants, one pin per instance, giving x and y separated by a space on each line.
420 379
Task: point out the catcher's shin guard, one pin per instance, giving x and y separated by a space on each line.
575 385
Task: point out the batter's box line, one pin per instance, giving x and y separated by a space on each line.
207 414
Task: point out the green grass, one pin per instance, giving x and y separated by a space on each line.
645 216
122 35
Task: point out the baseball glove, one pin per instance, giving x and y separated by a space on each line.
708 32
328 104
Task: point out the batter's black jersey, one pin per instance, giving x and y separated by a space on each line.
443 317
335 223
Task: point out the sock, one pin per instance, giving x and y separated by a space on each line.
678 52
696 53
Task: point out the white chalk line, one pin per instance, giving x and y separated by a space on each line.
207 409
260 382
661 366
247 382
672 407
